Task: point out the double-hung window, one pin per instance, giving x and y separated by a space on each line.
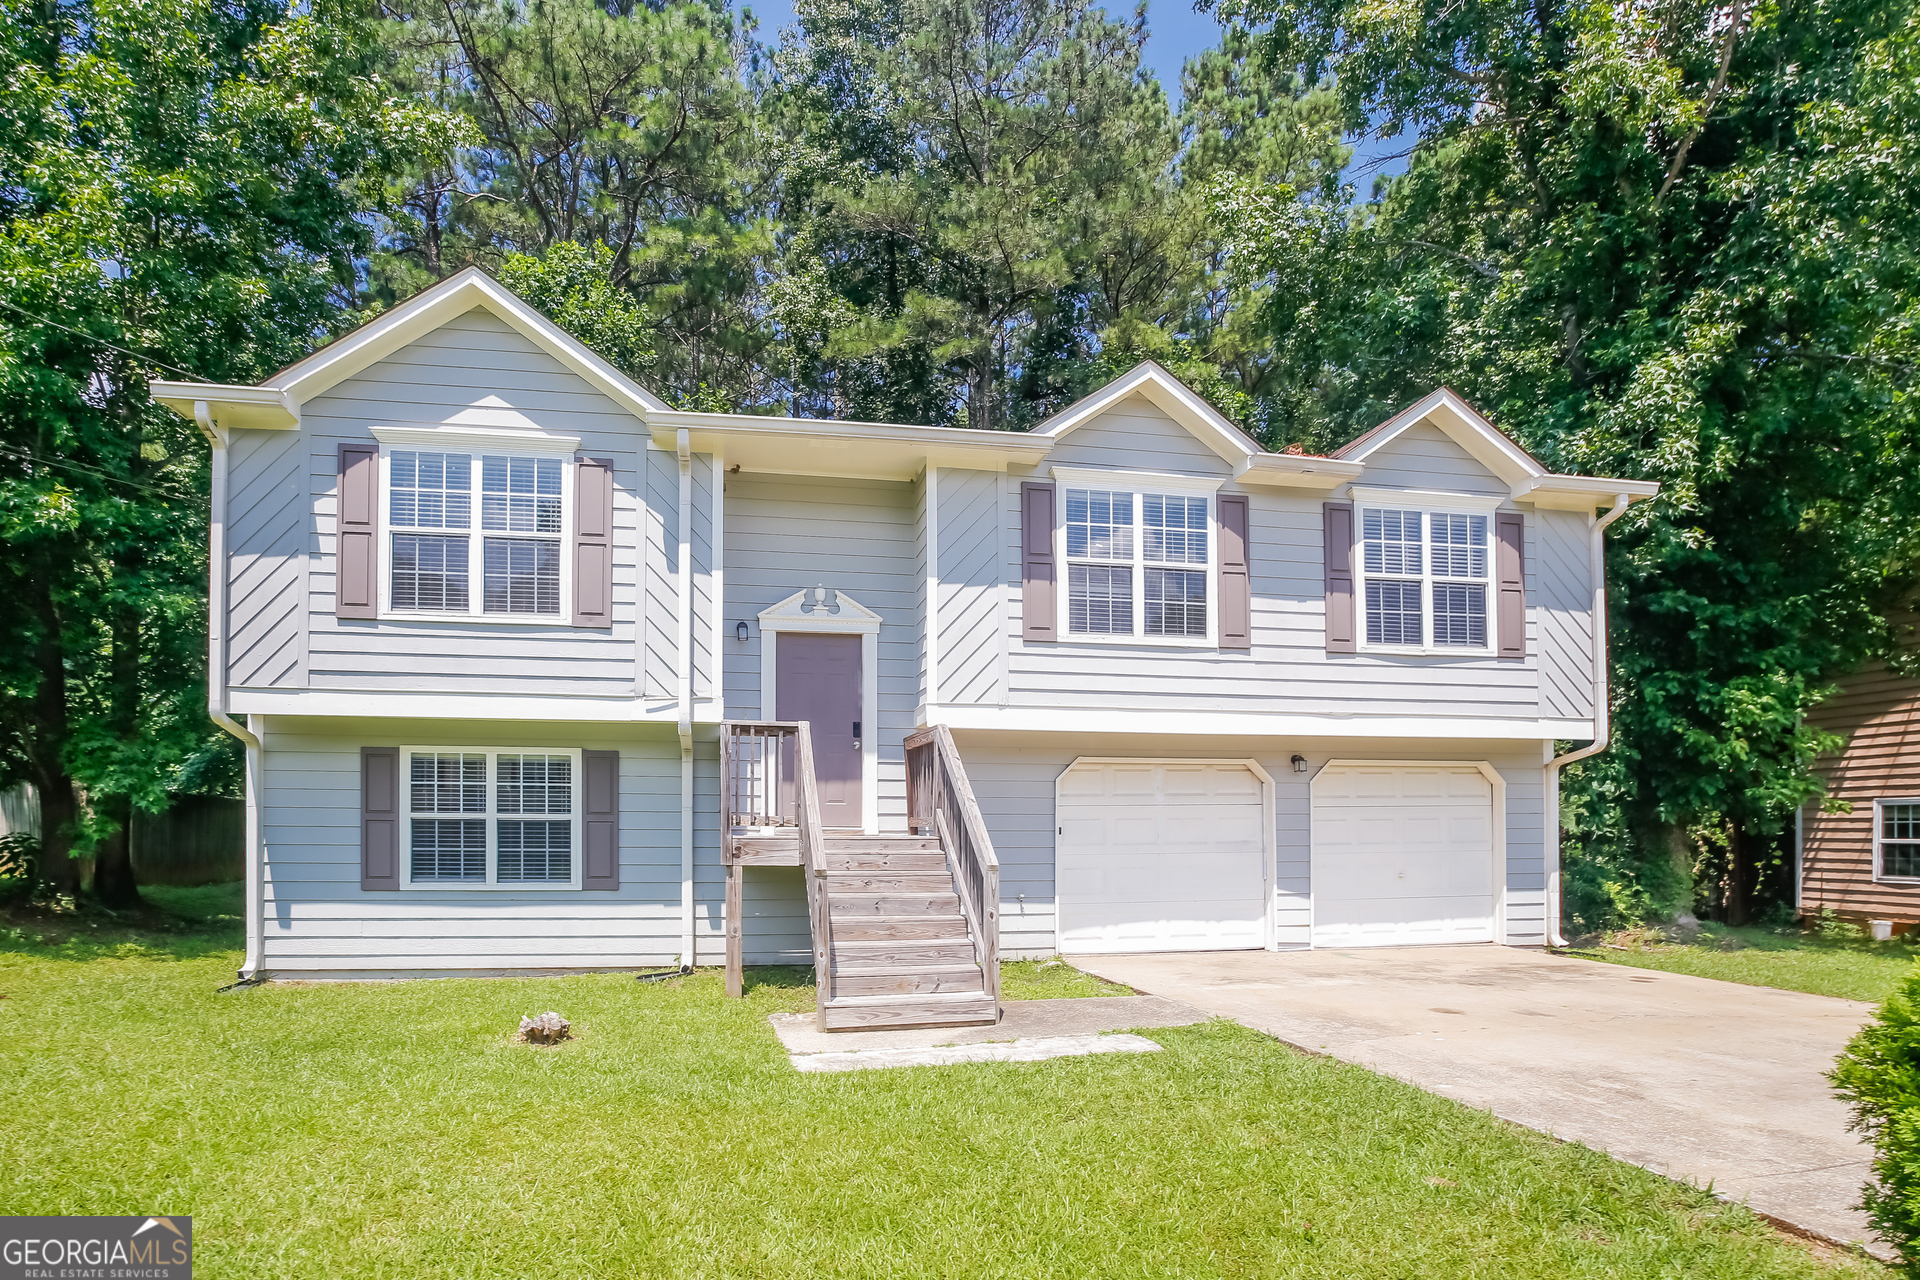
1138 563
480 818
1896 839
1426 579
475 533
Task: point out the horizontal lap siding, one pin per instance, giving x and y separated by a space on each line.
318 919
787 533
1879 714
268 513
1287 669
474 371
1013 777
973 619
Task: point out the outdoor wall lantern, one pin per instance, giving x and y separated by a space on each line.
1299 764
740 631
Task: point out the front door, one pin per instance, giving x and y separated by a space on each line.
817 679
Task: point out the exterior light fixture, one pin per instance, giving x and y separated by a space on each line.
1299 764
740 631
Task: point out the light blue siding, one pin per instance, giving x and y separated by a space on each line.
972 620
268 514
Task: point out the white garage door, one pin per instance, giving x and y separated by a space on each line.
1161 857
1402 854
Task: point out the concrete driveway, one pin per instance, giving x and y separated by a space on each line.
1703 1081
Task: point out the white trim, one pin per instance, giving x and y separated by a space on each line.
1138 566
854 618
1083 719
454 437
475 614
683 690
931 624
1879 803
491 817
594 708
1497 820
717 576
1426 505
1138 481
1269 830
1426 499
1461 423
1166 393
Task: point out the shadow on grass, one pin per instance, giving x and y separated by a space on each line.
775 977
172 924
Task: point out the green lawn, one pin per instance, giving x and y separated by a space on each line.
1853 969
395 1130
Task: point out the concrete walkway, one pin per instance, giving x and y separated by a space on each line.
1707 1082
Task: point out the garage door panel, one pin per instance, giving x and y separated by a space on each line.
1161 857
1402 854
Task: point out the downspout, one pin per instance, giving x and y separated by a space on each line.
1602 722
254 957
683 601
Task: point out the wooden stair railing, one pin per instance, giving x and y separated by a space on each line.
940 800
813 863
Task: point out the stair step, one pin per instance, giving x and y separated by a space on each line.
874 1012
939 980
895 840
858 955
847 905
870 881
884 860
899 928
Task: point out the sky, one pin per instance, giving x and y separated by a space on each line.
1174 33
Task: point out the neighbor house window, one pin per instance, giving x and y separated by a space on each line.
1137 564
480 818
1427 578
439 547
1897 836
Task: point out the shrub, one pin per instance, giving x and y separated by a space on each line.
1880 1075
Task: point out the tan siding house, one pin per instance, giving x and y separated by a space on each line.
1865 863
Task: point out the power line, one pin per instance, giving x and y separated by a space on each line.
78 333
38 461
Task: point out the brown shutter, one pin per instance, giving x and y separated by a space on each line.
1037 581
1337 518
1236 589
593 542
600 828
356 557
1510 580
379 817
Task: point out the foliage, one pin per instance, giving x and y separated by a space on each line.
1879 1074
179 192
1845 966
571 284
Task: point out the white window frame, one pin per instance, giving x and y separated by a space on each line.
476 444
1140 484
1427 504
1879 806
492 816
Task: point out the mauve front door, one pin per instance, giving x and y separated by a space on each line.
817 678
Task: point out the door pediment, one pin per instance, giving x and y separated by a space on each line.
819 609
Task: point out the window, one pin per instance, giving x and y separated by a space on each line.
437 550
1427 578
504 819
1137 564
1896 838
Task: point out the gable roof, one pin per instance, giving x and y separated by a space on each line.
1166 393
276 401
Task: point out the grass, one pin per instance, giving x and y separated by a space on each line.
395 1130
1852 968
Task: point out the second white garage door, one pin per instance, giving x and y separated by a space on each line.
1402 854
1161 857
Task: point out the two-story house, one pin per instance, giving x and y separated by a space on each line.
485 604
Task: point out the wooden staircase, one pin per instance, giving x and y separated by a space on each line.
902 953
905 926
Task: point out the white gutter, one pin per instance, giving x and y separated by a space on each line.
254 957
683 604
1602 722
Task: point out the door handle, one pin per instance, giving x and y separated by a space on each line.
856 735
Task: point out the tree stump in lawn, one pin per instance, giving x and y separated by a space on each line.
548 1028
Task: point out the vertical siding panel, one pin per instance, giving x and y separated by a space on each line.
971 631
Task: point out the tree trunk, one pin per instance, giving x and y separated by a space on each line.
1739 907
47 737
113 882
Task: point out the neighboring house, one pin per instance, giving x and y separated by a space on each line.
1865 863
1207 696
